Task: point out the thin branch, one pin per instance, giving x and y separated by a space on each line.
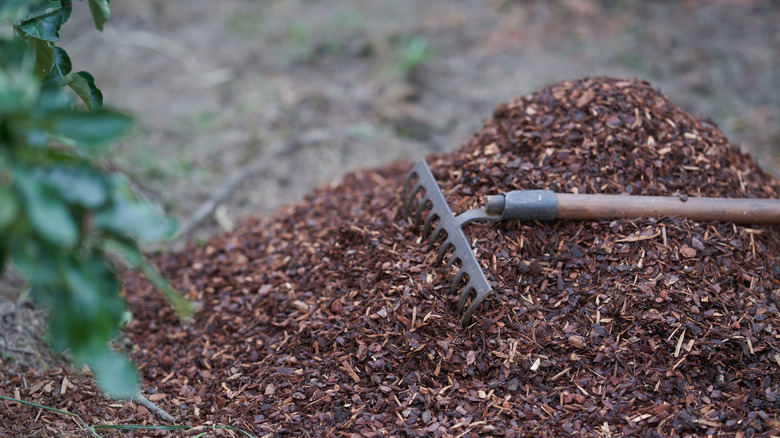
260 163
153 408
207 75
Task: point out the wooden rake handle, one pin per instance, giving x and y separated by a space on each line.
547 205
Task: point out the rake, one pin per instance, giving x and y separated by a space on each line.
424 203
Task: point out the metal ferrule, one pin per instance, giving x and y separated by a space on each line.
523 205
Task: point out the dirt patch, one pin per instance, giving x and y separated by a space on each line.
329 319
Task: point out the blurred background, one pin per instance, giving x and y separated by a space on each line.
244 105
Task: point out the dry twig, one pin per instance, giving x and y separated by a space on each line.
153 408
260 163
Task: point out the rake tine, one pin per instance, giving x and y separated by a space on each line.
409 189
464 294
457 279
408 183
428 222
451 262
409 198
443 250
436 233
471 309
408 201
421 206
481 295
419 187
405 198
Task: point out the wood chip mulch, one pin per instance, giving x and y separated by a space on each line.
329 319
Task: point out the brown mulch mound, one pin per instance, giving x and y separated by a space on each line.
329 318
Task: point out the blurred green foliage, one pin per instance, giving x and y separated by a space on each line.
414 52
61 217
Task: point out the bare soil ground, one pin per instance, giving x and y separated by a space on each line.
262 101
217 87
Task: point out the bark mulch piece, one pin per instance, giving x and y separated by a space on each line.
330 319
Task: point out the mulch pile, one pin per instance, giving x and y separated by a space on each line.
330 318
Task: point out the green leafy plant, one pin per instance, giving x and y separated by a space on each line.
63 219
414 51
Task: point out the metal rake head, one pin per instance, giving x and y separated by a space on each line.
424 197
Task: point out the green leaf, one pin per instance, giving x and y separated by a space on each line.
52 99
183 307
51 156
127 216
138 219
414 53
39 8
16 10
3 253
126 249
17 93
133 257
82 186
19 88
100 12
85 307
83 84
61 64
115 375
47 213
9 207
37 138
12 10
47 26
91 130
35 260
94 291
44 57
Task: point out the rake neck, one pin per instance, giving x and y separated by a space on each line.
476 215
